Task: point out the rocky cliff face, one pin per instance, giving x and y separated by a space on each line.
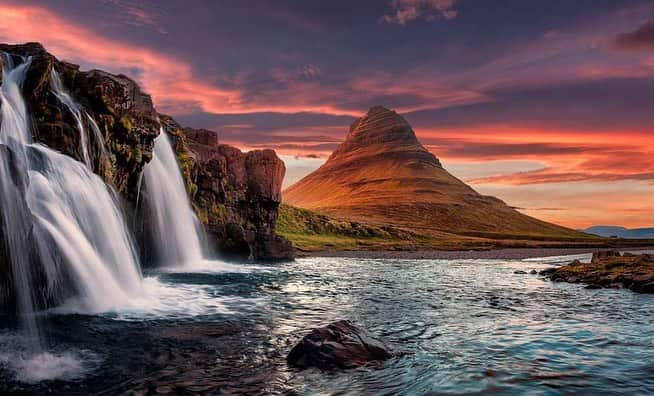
237 195
125 117
231 191
381 174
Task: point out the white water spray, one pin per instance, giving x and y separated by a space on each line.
178 235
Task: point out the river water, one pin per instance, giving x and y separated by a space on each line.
465 327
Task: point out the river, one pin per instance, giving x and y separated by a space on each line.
464 327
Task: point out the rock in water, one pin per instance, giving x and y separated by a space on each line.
338 345
609 269
603 254
382 175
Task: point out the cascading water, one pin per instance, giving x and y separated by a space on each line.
77 210
72 214
16 219
178 235
65 98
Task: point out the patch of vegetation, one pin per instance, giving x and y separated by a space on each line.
310 231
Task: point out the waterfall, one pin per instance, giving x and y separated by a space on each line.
63 96
16 219
177 232
81 242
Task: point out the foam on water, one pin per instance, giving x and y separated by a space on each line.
585 257
205 266
33 367
165 300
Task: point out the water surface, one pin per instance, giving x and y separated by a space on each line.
466 327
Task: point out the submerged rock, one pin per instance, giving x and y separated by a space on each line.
338 345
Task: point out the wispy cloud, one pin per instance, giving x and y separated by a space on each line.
135 14
405 11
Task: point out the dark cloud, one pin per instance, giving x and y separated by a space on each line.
610 104
643 37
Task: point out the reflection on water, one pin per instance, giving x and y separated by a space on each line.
468 326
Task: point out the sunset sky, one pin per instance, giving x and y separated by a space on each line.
548 105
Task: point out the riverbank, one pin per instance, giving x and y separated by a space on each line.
508 253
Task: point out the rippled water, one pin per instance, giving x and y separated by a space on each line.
467 327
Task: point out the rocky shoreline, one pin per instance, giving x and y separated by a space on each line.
609 269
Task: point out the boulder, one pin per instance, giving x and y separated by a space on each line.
338 345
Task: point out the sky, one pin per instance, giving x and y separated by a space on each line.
547 104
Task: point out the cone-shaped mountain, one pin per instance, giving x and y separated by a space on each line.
382 174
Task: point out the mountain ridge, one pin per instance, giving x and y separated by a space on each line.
621 232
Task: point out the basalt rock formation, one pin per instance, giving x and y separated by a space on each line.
381 174
236 195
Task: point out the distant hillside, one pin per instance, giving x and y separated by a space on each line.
621 232
383 176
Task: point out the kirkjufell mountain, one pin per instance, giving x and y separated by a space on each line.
382 174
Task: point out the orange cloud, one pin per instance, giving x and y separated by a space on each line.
172 83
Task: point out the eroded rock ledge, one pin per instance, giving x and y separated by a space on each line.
609 269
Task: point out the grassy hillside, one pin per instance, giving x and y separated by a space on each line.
311 231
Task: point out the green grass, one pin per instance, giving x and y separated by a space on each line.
311 231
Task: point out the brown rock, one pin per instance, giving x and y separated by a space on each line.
202 136
235 194
609 269
601 254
